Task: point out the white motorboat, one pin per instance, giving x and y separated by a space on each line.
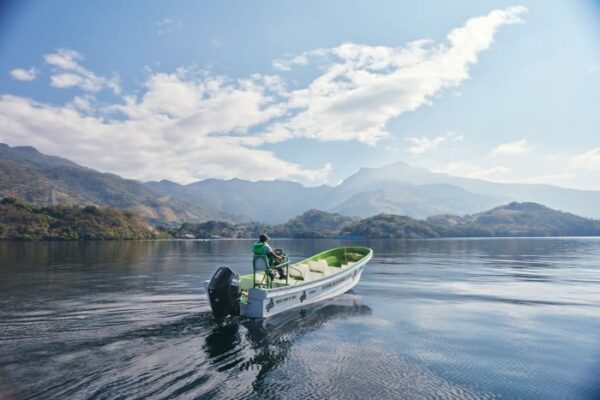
257 295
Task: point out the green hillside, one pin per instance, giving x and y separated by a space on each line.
516 219
388 226
312 223
32 222
19 221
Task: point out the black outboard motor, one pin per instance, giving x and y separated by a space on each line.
224 293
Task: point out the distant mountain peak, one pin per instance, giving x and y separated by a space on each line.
32 156
524 206
26 149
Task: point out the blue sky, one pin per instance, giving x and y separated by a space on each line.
308 91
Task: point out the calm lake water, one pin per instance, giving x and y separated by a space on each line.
447 319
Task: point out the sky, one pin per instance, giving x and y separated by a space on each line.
308 91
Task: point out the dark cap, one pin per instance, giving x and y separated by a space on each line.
263 238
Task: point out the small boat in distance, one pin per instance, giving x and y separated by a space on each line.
316 278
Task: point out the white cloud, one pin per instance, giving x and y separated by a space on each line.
363 87
554 157
588 161
167 25
495 173
579 171
511 149
70 73
287 63
70 80
182 128
281 65
211 105
186 126
593 69
82 103
420 145
21 74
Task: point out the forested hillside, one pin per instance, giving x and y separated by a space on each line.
19 221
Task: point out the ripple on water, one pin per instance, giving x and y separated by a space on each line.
429 319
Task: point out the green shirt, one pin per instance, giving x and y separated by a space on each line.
261 249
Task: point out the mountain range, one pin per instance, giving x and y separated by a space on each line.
39 179
397 188
263 201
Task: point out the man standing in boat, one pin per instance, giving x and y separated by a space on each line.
262 248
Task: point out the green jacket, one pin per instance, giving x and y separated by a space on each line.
259 249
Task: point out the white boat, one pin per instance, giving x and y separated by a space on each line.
256 295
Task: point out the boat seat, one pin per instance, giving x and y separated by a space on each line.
313 270
260 262
279 283
261 265
318 266
313 276
331 271
300 270
313 266
296 271
324 265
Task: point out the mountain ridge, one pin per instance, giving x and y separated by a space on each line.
40 179
582 202
396 188
355 195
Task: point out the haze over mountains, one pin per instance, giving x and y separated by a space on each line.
394 189
263 201
582 202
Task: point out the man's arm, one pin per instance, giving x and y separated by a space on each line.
272 252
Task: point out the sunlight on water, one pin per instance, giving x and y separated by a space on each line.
439 319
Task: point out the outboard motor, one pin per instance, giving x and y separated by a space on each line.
224 293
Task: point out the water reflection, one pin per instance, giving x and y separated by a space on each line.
263 345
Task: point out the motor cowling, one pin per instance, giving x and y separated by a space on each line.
224 293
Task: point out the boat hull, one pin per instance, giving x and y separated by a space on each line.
264 303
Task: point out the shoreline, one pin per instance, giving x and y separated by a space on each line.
291 238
